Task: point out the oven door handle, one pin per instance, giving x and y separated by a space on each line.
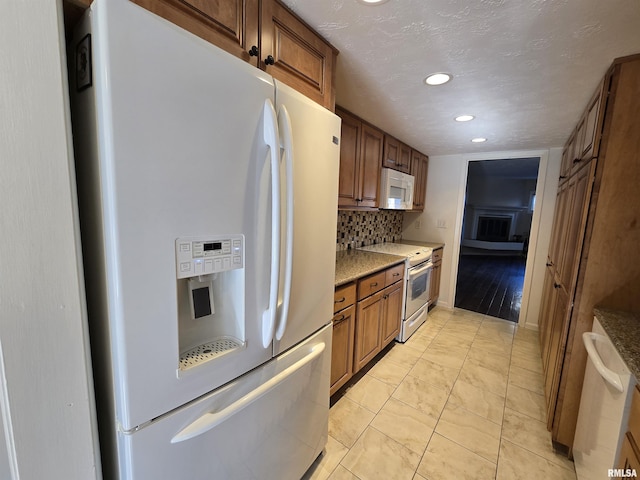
415 271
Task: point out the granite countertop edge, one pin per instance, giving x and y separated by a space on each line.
354 264
623 328
434 245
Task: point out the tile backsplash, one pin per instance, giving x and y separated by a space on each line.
362 228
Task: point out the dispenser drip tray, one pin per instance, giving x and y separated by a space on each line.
205 352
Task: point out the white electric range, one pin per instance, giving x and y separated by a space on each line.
417 283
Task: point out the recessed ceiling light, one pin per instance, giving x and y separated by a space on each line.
478 140
464 118
437 78
372 2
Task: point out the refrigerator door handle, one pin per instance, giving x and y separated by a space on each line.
284 125
607 374
271 138
211 419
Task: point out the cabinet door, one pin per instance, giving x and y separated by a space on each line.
349 181
371 149
367 341
419 168
580 194
405 158
557 345
591 139
230 24
546 312
342 348
293 53
559 231
435 283
391 157
392 314
628 458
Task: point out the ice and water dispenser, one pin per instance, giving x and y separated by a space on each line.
210 280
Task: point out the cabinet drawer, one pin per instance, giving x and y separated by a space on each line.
634 415
344 296
393 274
628 458
436 256
371 284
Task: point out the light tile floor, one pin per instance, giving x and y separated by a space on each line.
463 399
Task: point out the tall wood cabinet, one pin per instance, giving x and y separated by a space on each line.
419 169
594 257
264 33
360 158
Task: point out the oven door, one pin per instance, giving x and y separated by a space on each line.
418 286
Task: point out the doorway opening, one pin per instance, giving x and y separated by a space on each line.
496 227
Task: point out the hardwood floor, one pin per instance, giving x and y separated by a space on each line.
491 285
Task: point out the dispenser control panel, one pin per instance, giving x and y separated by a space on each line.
205 255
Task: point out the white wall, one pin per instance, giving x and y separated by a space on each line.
46 393
445 198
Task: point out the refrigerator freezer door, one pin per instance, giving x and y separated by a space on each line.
180 152
269 424
316 161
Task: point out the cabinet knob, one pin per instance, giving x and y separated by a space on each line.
556 285
576 160
340 301
253 51
562 177
549 264
375 284
269 60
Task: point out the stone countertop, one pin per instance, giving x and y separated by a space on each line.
353 264
623 329
434 245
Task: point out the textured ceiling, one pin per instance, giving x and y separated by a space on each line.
524 68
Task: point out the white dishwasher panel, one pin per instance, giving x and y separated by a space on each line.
604 409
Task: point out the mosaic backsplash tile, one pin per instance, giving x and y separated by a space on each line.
362 228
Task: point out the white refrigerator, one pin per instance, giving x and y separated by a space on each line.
207 193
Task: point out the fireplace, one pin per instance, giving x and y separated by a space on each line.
493 228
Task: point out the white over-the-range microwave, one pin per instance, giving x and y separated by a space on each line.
396 190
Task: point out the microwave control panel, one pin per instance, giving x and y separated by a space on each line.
205 255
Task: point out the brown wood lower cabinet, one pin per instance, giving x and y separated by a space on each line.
362 329
342 347
629 457
379 313
436 274
344 320
368 321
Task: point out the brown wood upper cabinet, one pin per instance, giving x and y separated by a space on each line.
397 155
419 169
294 53
264 33
229 24
584 142
360 160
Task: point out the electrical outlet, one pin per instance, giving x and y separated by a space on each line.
442 223
418 224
